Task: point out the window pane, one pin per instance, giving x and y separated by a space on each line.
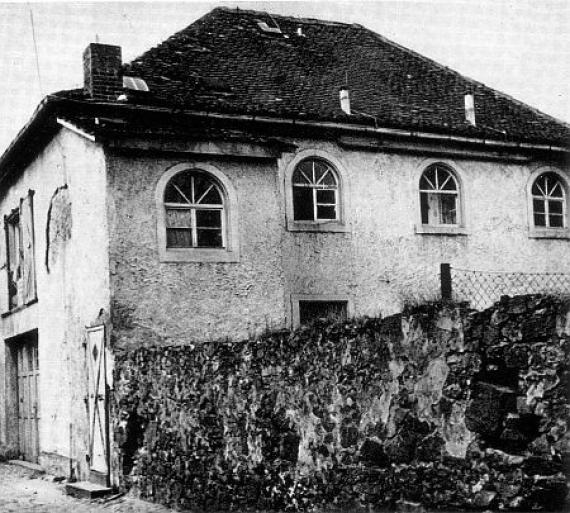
329 180
213 197
209 218
433 208
536 190
448 208
178 218
326 212
323 174
556 188
556 221
538 206
178 187
209 238
325 196
424 207
201 184
178 238
447 181
310 311
539 219
303 173
303 204
555 207
427 180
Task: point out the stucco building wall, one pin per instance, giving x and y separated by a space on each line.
376 264
71 263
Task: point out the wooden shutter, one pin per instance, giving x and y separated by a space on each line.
4 270
29 264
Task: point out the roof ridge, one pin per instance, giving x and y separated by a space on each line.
298 19
464 77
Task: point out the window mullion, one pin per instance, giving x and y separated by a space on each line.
194 231
314 201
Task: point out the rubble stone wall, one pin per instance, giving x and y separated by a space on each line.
439 405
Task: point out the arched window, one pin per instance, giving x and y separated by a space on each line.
439 197
549 201
194 211
315 191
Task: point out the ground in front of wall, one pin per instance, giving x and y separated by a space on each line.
23 490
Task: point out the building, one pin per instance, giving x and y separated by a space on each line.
251 172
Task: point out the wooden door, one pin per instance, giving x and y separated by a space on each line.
97 401
28 411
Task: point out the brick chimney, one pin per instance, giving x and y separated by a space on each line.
102 71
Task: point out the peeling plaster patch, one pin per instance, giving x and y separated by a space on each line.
58 225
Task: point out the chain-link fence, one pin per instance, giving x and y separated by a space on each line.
483 288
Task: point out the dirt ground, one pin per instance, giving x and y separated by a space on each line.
23 490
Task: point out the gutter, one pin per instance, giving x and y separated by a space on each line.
51 102
361 129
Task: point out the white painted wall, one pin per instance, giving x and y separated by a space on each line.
70 295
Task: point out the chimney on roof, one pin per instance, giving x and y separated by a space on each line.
470 109
102 71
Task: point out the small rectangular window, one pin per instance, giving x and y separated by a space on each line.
312 310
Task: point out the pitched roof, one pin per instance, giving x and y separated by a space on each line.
226 63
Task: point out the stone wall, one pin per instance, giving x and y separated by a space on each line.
439 405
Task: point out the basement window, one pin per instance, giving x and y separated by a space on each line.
308 309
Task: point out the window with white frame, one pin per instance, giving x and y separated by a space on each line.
196 215
549 201
315 191
439 197
194 208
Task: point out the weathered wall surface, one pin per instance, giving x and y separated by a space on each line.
71 262
377 264
438 405
183 302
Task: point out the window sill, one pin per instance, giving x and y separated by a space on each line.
198 255
440 230
549 233
308 226
18 308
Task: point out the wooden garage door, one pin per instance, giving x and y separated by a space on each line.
28 411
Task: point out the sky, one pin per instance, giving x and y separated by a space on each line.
520 47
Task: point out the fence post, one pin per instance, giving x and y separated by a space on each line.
445 280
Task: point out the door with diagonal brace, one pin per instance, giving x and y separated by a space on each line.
98 406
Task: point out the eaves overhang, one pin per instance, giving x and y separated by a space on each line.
33 136
46 122
317 125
